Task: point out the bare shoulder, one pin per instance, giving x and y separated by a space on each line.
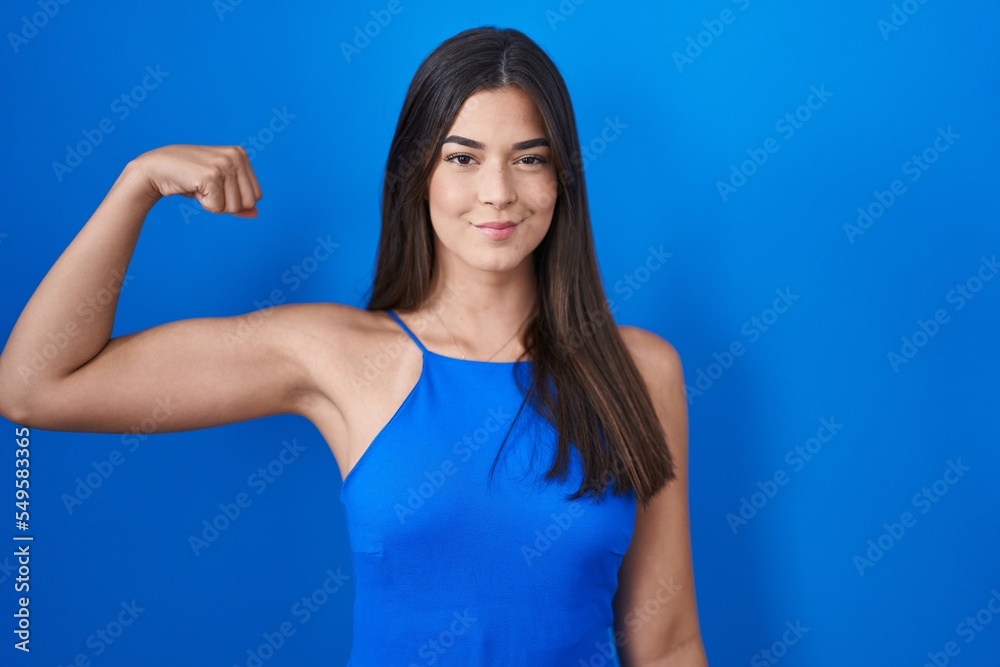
335 332
332 322
332 341
656 358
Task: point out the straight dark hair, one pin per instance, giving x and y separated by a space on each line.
584 382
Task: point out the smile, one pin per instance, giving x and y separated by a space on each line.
497 231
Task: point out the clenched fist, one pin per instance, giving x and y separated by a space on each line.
219 177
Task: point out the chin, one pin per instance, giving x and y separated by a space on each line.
496 261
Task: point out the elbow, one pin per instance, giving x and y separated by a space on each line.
22 393
24 413
12 401
685 651
15 412
16 402
688 652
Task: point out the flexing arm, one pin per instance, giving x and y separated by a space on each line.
61 371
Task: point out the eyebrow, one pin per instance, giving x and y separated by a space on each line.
519 146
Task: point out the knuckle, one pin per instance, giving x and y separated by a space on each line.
215 172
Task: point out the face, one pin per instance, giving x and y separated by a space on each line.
495 166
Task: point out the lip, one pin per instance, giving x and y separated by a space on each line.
497 224
498 230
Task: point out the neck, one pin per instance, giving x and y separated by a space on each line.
484 311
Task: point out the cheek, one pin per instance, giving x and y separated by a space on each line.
447 196
541 195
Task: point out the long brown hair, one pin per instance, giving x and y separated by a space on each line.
584 382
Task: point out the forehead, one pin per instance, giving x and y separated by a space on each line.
498 112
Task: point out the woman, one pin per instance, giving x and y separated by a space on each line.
487 347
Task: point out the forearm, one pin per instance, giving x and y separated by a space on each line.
69 318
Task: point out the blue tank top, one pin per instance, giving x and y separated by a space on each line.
452 568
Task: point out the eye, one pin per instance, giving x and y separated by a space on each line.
533 160
458 158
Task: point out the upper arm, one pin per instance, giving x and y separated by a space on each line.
655 610
187 374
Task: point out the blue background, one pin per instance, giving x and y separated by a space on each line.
685 125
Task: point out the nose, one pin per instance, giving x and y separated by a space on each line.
496 187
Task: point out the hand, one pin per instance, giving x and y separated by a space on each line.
219 177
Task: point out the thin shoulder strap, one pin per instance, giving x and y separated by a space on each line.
407 330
